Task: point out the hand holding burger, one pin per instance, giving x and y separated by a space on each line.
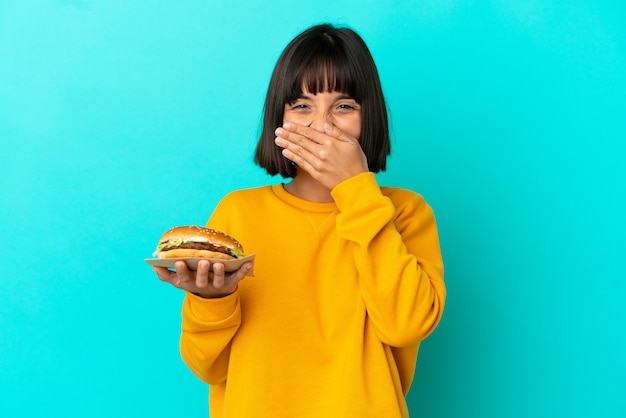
209 280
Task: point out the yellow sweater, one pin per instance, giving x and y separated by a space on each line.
330 324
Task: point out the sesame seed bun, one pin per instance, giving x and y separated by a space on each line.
198 241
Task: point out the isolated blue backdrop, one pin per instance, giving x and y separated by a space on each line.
119 119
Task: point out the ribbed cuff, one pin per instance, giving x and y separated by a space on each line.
212 310
356 191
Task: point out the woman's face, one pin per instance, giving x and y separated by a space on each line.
315 110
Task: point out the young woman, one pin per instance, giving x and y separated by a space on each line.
348 274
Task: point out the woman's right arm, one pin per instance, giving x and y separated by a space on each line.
208 327
211 315
210 324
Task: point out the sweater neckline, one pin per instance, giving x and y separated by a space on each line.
285 196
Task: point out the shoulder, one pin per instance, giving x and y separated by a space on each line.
235 207
240 200
406 201
400 195
244 195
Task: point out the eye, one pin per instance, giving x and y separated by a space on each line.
297 106
348 107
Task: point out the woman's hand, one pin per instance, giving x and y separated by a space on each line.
202 282
330 157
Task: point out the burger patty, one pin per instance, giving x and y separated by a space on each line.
201 246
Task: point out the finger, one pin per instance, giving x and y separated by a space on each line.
299 135
294 152
332 130
164 274
182 273
232 281
219 278
202 274
244 270
298 158
296 148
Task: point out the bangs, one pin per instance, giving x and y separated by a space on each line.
323 70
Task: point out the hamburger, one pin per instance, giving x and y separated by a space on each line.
199 242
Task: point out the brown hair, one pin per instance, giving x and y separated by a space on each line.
325 59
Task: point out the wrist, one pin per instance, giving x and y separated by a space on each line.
214 294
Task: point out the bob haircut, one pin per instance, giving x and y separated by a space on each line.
325 59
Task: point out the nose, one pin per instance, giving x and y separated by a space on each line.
318 121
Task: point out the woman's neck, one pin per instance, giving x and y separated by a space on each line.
307 188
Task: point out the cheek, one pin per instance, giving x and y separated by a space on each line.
296 118
351 127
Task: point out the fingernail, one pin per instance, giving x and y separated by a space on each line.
287 125
278 131
278 141
328 127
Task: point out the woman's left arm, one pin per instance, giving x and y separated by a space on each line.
395 245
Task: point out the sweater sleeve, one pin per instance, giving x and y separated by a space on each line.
395 245
209 325
207 329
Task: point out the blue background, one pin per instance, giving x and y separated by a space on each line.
119 119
